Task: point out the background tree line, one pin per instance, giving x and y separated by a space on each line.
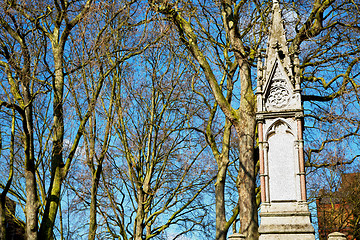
136 119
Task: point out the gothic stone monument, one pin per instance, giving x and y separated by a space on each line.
284 209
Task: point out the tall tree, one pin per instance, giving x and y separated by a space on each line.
243 24
19 91
56 58
155 181
48 35
243 118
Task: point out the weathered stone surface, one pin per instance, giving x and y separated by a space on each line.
284 219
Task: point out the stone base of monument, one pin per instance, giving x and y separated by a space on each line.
285 220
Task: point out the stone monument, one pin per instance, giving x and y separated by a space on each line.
284 209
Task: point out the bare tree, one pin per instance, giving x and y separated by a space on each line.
156 177
243 25
66 72
47 35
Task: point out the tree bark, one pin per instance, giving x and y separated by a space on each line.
222 225
245 126
221 231
32 204
93 203
246 180
53 198
140 216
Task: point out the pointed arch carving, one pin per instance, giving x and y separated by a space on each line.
279 125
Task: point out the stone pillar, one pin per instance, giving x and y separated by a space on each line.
301 156
262 161
336 236
236 236
284 209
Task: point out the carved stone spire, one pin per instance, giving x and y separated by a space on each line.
284 210
277 44
277 90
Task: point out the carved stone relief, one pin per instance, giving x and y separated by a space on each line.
280 94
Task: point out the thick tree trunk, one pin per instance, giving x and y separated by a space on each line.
246 185
140 215
30 178
245 129
32 204
93 203
53 198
